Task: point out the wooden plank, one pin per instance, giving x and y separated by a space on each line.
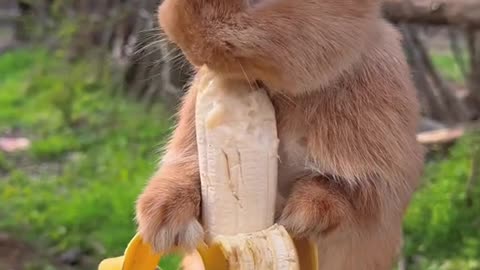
434 12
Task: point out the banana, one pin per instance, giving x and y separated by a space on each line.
238 152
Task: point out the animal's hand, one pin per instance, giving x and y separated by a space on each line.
167 214
312 209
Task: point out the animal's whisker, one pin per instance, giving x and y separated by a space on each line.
246 76
148 46
155 29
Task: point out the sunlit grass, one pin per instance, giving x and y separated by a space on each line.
105 149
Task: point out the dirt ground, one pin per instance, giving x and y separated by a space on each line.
16 255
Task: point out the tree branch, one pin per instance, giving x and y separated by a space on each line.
434 12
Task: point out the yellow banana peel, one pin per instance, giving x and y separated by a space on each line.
139 256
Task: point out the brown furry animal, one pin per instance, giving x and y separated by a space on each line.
347 116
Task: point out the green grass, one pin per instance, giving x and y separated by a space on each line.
448 67
92 153
441 227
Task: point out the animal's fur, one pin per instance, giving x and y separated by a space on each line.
346 111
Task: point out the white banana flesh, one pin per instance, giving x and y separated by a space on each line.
238 154
237 140
267 249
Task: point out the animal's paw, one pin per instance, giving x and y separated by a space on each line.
299 222
164 238
167 218
311 210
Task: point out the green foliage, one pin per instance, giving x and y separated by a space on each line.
441 227
5 164
91 155
448 67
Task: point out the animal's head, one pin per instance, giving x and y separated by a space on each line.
289 45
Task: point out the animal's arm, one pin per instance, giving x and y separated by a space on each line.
168 208
181 157
320 204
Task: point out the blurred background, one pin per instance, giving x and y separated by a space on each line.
87 94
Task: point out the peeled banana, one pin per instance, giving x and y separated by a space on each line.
238 152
